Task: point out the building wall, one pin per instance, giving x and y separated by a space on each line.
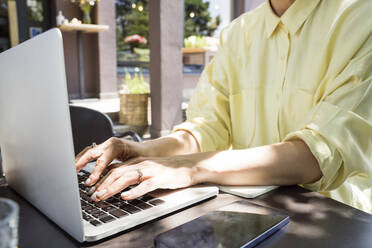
90 50
252 4
243 6
106 14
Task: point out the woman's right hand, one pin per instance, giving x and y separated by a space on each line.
105 153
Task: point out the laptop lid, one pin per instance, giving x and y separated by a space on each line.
35 129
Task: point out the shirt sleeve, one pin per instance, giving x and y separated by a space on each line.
338 129
208 114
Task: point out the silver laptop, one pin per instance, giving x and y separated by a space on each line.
37 148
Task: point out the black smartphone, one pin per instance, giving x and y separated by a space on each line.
223 229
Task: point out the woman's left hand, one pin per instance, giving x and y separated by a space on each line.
150 174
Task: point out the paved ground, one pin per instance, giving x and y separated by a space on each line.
102 105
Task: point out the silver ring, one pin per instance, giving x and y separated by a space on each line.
93 145
140 175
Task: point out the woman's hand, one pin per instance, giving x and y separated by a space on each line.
105 153
285 163
151 174
174 144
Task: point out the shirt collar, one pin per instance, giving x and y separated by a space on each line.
293 18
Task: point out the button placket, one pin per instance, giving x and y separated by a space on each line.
283 53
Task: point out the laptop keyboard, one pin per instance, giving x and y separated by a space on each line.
98 213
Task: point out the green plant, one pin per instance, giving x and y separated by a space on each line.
132 20
206 42
86 7
36 12
134 85
198 20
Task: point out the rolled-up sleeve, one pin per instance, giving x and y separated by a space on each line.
338 130
208 115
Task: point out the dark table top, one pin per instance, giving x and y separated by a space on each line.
315 221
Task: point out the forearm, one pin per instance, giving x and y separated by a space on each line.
284 163
178 143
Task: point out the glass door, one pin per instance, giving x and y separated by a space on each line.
4 26
33 18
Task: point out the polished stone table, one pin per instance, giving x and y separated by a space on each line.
315 221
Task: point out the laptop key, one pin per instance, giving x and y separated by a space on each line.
87 207
140 204
143 205
84 172
106 219
99 214
146 198
117 196
118 203
134 202
111 200
114 200
129 208
90 210
85 196
102 204
156 202
95 210
95 222
118 213
87 217
108 208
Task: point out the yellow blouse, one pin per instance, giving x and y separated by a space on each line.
305 75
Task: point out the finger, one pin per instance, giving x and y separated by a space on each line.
93 189
77 157
107 172
142 189
102 163
116 186
113 166
90 155
130 175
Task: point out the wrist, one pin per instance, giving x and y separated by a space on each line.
195 175
200 172
127 149
147 149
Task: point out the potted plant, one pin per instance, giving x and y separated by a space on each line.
134 96
134 41
86 6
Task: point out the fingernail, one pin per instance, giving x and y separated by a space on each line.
91 191
87 181
125 194
94 196
101 193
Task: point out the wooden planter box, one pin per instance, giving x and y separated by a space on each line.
197 56
133 109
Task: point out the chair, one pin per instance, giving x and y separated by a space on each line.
90 126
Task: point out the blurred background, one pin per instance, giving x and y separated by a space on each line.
111 46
